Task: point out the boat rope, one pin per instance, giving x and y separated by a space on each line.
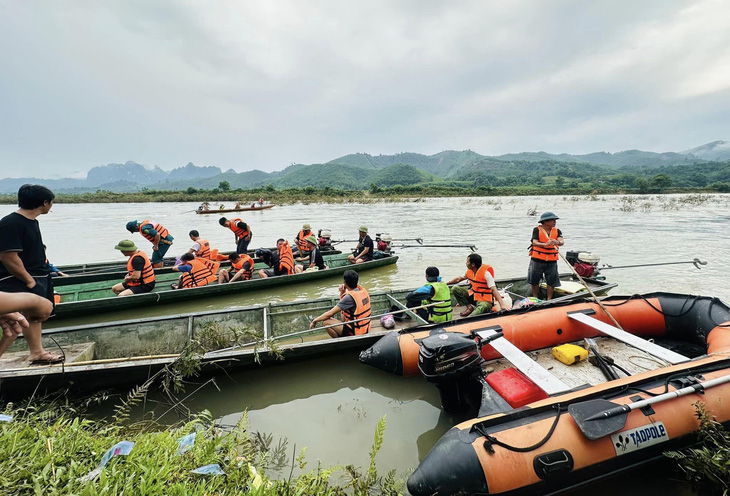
63 354
491 440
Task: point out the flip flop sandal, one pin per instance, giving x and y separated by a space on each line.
48 359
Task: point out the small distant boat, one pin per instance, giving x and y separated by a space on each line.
227 210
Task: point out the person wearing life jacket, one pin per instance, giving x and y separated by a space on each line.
355 306
434 291
546 238
241 269
201 247
241 231
482 294
140 276
281 263
301 250
156 234
365 247
195 272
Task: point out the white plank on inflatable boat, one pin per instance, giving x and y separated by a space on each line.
635 341
536 372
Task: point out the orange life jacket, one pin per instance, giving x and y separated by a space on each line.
148 273
203 273
240 233
248 273
160 230
478 283
361 310
302 242
204 251
545 253
286 259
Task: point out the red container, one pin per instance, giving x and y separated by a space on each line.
515 387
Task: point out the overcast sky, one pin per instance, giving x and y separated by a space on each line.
260 85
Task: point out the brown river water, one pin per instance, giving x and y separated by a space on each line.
332 405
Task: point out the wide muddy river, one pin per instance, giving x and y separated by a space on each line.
332 405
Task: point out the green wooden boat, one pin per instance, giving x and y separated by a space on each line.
97 296
127 352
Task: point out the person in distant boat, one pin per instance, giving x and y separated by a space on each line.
281 262
222 207
241 232
201 247
261 201
546 238
355 306
156 234
23 269
140 276
365 248
482 293
434 291
316 261
241 269
196 272
253 205
301 248
238 205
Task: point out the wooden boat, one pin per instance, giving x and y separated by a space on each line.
123 353
542 431
226 210
96 297
120 267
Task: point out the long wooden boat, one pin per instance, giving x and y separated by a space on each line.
97 297
120 267
226 210
127 352
543 426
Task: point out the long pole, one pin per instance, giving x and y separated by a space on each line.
696 262
595 298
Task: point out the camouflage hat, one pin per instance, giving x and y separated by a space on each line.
126 245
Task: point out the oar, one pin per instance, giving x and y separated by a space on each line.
599 418
696 262
421 245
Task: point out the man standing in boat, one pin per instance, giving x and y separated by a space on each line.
156 234
365 248
434 291
140 276
23 267
241 232
482 292
354 305
301 250
546 238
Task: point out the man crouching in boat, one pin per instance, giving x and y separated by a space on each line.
140 276
241 269
482 292
281 262
354 305
195 272
434 291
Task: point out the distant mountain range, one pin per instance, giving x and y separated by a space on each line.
360 170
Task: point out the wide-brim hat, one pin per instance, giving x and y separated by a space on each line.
132 226
312 239
548 216
126 245
306 227
363 229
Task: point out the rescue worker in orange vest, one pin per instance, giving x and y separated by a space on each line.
140 276
354 305
302 250
241 231
281 263
201 247
482 292
156 234
196 272
546 238
241 269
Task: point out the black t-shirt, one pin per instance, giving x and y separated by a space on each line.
23 235
315 257
366 242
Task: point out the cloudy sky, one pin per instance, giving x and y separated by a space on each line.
243 85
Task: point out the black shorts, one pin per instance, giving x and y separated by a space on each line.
139 289
348 330
538 268
43 286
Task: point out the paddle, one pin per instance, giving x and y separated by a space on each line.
421 245
599 418
696 262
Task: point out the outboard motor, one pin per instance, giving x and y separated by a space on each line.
585 263
324 237
384 243
453 363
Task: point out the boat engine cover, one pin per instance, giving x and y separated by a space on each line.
448 355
